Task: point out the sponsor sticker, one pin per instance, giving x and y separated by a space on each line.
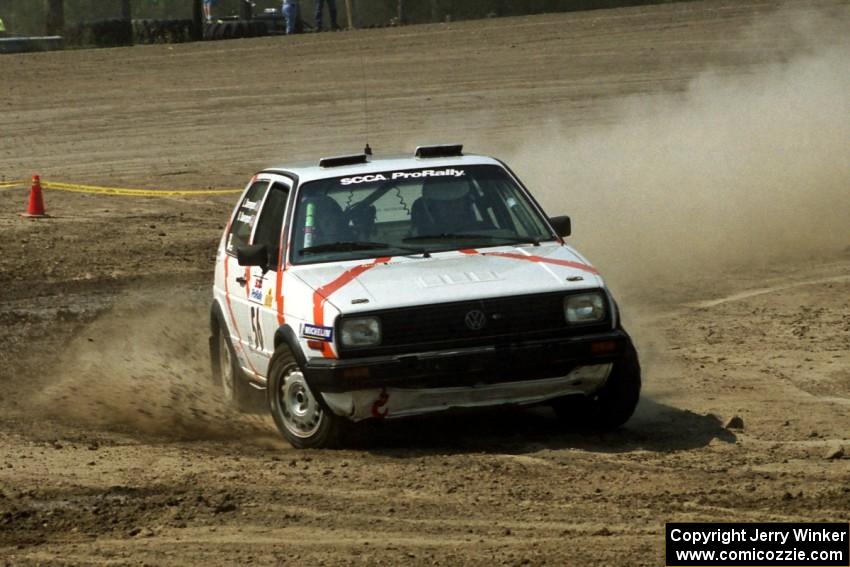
317 332
256 295
450 172
247 219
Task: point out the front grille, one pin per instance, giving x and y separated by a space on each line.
444 325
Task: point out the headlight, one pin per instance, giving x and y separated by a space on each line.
361 331
584 307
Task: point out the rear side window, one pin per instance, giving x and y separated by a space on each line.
246 216
271 221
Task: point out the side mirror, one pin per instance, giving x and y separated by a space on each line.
256 255
562 225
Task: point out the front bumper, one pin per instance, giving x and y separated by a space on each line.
524 372
388 403
528 360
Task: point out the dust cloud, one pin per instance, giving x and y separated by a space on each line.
143 369
747 165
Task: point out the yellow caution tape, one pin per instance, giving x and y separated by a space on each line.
120 191
12 184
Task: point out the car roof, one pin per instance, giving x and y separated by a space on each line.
310 171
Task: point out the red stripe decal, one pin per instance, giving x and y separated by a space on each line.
279 283
469 251
542 260
230 310
322 294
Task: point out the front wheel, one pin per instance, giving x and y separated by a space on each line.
299 415
612 405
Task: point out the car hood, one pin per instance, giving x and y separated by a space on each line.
369 285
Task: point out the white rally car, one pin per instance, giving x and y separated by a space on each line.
364 288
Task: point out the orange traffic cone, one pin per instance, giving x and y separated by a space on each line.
36 204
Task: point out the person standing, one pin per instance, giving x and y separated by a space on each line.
331 9
291 13
208 4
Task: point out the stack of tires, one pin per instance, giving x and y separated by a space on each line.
233 29
102 33
162 31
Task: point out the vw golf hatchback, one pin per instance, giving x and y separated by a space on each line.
363 288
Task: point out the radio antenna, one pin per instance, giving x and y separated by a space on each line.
367 150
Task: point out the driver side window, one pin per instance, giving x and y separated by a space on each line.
270 225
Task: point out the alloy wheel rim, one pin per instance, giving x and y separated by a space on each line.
301 412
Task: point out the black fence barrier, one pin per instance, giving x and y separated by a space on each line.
103 33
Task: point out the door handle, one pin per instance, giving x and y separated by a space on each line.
241 281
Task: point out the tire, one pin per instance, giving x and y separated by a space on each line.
301 417
227 376
612 405
260 29
218 31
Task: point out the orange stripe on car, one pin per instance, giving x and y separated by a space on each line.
279 283
543 260
322 294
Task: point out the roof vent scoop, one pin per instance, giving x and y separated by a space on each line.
339 161
448 150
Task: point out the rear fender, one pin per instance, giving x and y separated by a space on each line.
217 325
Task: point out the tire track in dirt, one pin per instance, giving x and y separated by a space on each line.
706 304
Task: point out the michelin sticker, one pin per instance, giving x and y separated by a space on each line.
317 332
451 172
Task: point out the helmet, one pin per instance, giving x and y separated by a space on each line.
436 189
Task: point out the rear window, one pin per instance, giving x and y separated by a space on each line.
246 216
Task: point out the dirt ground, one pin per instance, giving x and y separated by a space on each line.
701 150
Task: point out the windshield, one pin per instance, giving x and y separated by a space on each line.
416 211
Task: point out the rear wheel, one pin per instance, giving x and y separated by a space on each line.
612 405
227 375
298 413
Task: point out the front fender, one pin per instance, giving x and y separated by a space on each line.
286 335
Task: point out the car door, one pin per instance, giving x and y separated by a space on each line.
237 278
260 302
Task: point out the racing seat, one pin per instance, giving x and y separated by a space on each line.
329 222
444 207
362 220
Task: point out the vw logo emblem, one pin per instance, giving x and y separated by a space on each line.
475 320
